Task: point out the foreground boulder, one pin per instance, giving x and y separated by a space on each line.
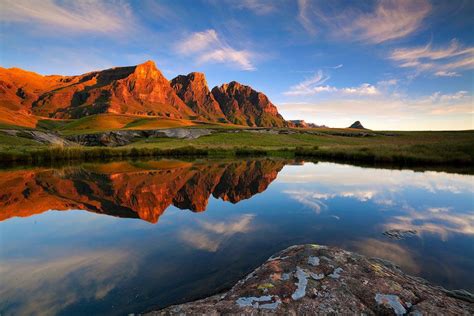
312 279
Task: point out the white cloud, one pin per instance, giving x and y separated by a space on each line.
198 41
209 47
77 16
313 85
260 7
363 89
443 73
443 61
304 16
228 55
444 98
386 83
389 19
310 85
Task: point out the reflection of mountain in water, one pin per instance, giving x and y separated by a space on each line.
136 190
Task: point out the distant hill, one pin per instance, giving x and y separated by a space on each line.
136 90
357 125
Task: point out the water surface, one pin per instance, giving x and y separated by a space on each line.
127 237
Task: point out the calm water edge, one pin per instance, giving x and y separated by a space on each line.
127 237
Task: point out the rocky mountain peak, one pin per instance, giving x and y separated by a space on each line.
147 70
193 90
243 105
358 125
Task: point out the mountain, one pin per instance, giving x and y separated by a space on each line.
141 90
357 125
137 90
244 106
124 189
193 90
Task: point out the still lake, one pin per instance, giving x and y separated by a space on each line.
127 237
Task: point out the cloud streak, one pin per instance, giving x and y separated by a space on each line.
388 20
76 16
314 85
392 19
210 48
443 61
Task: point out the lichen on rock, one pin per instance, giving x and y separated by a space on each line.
342 283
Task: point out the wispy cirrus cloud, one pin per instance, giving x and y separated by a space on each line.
441 61
314 85
208 46
310 85
388 20
392 19
259 7
304 16
110 17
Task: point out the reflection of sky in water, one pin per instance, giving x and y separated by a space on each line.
79 262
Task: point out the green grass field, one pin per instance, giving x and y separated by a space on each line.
403 148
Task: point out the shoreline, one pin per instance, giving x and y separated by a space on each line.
104 155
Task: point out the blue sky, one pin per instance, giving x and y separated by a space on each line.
405 64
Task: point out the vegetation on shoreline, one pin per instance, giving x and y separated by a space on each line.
454 149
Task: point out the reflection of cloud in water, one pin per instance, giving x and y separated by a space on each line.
213 234
388 251
314 201
240 226
309 199
54 284
387 189
200 240
435 221
342 177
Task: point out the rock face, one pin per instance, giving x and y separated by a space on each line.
125 137
320 280
124 189
135 90
244 106
40 137
357 125
193 90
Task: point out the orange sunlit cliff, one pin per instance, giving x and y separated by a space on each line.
135 90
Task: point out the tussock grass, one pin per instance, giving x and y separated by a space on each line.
54 153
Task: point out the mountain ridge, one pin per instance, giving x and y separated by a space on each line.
140 90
